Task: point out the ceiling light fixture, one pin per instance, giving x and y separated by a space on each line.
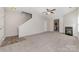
49 11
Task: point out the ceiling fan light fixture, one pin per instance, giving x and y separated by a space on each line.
48 13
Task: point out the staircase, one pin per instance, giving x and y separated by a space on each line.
24 17
28 17
32 26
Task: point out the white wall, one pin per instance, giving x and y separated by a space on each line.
51 23
33 26
13 20
2 26
70 19
78 20
61 24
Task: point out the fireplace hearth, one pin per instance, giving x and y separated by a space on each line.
69 31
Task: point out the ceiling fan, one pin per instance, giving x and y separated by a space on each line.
49 11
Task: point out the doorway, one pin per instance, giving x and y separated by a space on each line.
56 25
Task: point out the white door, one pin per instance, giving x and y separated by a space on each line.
1 24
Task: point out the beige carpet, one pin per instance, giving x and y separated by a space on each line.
10 40
44 42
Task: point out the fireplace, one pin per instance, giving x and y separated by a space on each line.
69 31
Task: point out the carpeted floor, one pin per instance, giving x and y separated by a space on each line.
11 40
44 42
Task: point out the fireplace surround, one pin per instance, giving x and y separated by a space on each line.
69 31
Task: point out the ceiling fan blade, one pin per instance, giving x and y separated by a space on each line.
53 9
52 12
48 10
